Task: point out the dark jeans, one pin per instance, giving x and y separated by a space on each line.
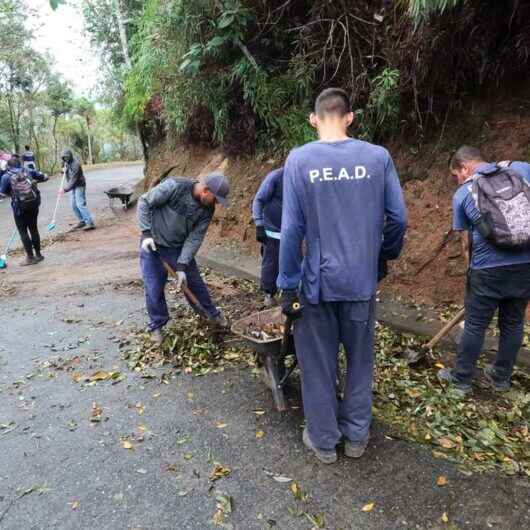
508 290
26 223
155 277
270 263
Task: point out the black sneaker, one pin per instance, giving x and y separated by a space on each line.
445 375
39 257
499 385
79 225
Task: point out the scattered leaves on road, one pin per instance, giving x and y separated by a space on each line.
219 471
260 434
368 507
127 444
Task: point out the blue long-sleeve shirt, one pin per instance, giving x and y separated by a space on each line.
267 204
345 200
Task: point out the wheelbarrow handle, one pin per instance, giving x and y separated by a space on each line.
286 334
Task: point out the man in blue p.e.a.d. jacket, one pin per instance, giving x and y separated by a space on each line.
343 198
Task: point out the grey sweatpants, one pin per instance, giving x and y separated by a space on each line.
318 335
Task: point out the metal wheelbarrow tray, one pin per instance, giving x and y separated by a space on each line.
121 192
270 353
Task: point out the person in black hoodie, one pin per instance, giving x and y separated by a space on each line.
76 183
25 201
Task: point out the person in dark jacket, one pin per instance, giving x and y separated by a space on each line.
26 214
174 217
267 214
76 184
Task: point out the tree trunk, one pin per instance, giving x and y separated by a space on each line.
123 34
90 157
54 134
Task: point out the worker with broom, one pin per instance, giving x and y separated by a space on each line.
25 201
492 204
267 214
343 199
174 217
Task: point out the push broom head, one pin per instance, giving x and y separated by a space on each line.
51 227
3 261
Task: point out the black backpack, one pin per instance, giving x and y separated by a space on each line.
502 197
24 191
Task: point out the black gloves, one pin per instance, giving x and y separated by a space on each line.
291 306
382 269
261 236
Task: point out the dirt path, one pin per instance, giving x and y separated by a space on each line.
147 463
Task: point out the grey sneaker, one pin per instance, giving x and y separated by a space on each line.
355 449
90 226
326 457
157 336
268 301
79 225
499 385
445 375
30 260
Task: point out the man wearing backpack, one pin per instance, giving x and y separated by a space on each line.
493 205
76 184
25 200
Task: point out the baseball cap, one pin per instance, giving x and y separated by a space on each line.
217 183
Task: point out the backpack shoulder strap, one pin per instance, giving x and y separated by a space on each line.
504 164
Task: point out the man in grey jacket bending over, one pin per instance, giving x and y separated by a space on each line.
174 218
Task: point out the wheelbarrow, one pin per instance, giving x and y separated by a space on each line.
270 353
121 192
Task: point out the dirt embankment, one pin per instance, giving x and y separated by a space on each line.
428 188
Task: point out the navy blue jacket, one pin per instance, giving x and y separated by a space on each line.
344 199
267 205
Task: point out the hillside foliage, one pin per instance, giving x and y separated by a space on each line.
244 73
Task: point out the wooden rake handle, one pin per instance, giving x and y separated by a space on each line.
184 288
446 329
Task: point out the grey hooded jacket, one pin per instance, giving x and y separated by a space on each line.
74 172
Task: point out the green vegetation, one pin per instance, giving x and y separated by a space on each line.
39 108
244 73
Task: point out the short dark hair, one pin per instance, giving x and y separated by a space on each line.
466 153
26 147
332 101
14 162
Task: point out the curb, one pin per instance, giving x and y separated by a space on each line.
389 312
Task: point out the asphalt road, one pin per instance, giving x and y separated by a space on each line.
98 181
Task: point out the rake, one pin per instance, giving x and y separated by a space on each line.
52 225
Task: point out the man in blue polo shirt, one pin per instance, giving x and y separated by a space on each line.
497 279
267 214
343 199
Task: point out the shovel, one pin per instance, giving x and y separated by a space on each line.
186 291
413 356
3 257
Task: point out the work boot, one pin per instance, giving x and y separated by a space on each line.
30 260
445 375
89 226
498 384
355 449
157 336
39 256
79 225
325 456
220 321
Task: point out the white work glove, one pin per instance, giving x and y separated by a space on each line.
148 245
180 279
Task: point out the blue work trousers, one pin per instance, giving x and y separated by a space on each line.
78 203
270 263
318 334
155 277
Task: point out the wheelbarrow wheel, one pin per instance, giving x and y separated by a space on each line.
272 373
